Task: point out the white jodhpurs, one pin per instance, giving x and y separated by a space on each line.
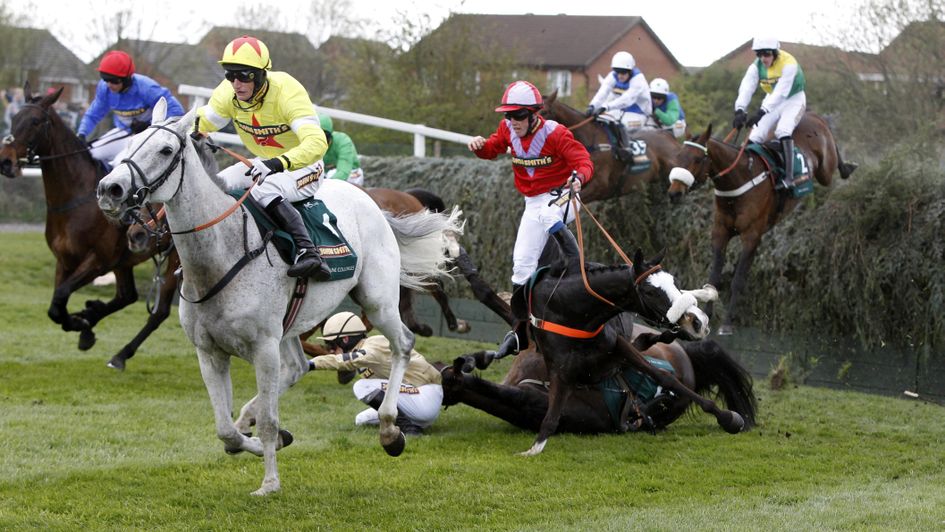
420 404
537 219
295 185
782 120
108 146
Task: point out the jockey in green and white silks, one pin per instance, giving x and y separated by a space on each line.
781 77
667 111
624 94
276 121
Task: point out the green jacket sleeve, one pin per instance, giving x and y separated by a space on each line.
670 115
347 155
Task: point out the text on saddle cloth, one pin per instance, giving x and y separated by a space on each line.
322 226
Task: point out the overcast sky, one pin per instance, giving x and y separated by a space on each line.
696 31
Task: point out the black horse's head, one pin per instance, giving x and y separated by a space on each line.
691 167
35 129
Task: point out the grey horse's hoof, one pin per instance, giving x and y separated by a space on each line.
116 363
237 450
396 448
286 438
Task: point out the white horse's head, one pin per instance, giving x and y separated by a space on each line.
152 165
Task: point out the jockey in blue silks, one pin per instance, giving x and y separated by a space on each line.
130 97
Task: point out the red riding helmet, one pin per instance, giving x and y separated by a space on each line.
117 63
520 95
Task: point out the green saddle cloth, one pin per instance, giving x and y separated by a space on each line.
322 226
642 385
802 184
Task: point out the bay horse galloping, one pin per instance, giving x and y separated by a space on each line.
746 202
615 405
85 244
612 177
243 317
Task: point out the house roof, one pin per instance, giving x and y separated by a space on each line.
561 41
183 63
38 50
280 44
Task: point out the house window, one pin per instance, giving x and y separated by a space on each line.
560 80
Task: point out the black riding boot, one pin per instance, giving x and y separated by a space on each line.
787 148
374 400
566 241
308 263
624 153
516 339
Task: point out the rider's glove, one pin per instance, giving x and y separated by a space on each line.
590 110
755 118
599 111
84 141
740 118
261 169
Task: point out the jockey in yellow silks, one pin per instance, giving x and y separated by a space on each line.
781 77
276 121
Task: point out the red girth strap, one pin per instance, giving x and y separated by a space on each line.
562 329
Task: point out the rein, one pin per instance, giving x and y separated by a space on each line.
581 123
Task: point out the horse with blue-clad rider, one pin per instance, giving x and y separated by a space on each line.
625 96
130 97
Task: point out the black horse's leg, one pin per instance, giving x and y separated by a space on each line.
732 422
453 324
740 277
558 393
407 315
481 289
158 314
95 310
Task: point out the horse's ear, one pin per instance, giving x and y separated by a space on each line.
159 114
550 99
51 98
187 121
659 257
706 135
27 96
638 258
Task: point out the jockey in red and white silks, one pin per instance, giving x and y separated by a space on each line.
544 154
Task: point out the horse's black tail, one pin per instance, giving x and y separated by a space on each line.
845 168
713 366
429 200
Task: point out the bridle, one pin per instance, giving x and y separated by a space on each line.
138 197
42 133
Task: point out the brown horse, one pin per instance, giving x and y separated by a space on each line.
618 404
612 177
746 202
83 241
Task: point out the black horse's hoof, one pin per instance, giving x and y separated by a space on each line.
344 377
466 362
733 423
397 446
86 339
237 450
116 363
286 438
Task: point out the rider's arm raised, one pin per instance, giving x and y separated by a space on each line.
496 144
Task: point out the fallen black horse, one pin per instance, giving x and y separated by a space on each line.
628 400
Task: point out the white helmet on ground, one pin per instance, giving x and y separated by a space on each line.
342 324
765 43
623 60
659 86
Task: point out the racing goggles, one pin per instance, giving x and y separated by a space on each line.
245 76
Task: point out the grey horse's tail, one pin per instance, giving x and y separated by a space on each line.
423 239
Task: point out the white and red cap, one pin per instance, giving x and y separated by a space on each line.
520 95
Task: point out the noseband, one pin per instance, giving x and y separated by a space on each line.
31 157
137 198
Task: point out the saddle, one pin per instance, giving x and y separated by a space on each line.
629 151
773 157
630 396
322 227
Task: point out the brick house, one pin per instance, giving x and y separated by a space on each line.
568 53
35 55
